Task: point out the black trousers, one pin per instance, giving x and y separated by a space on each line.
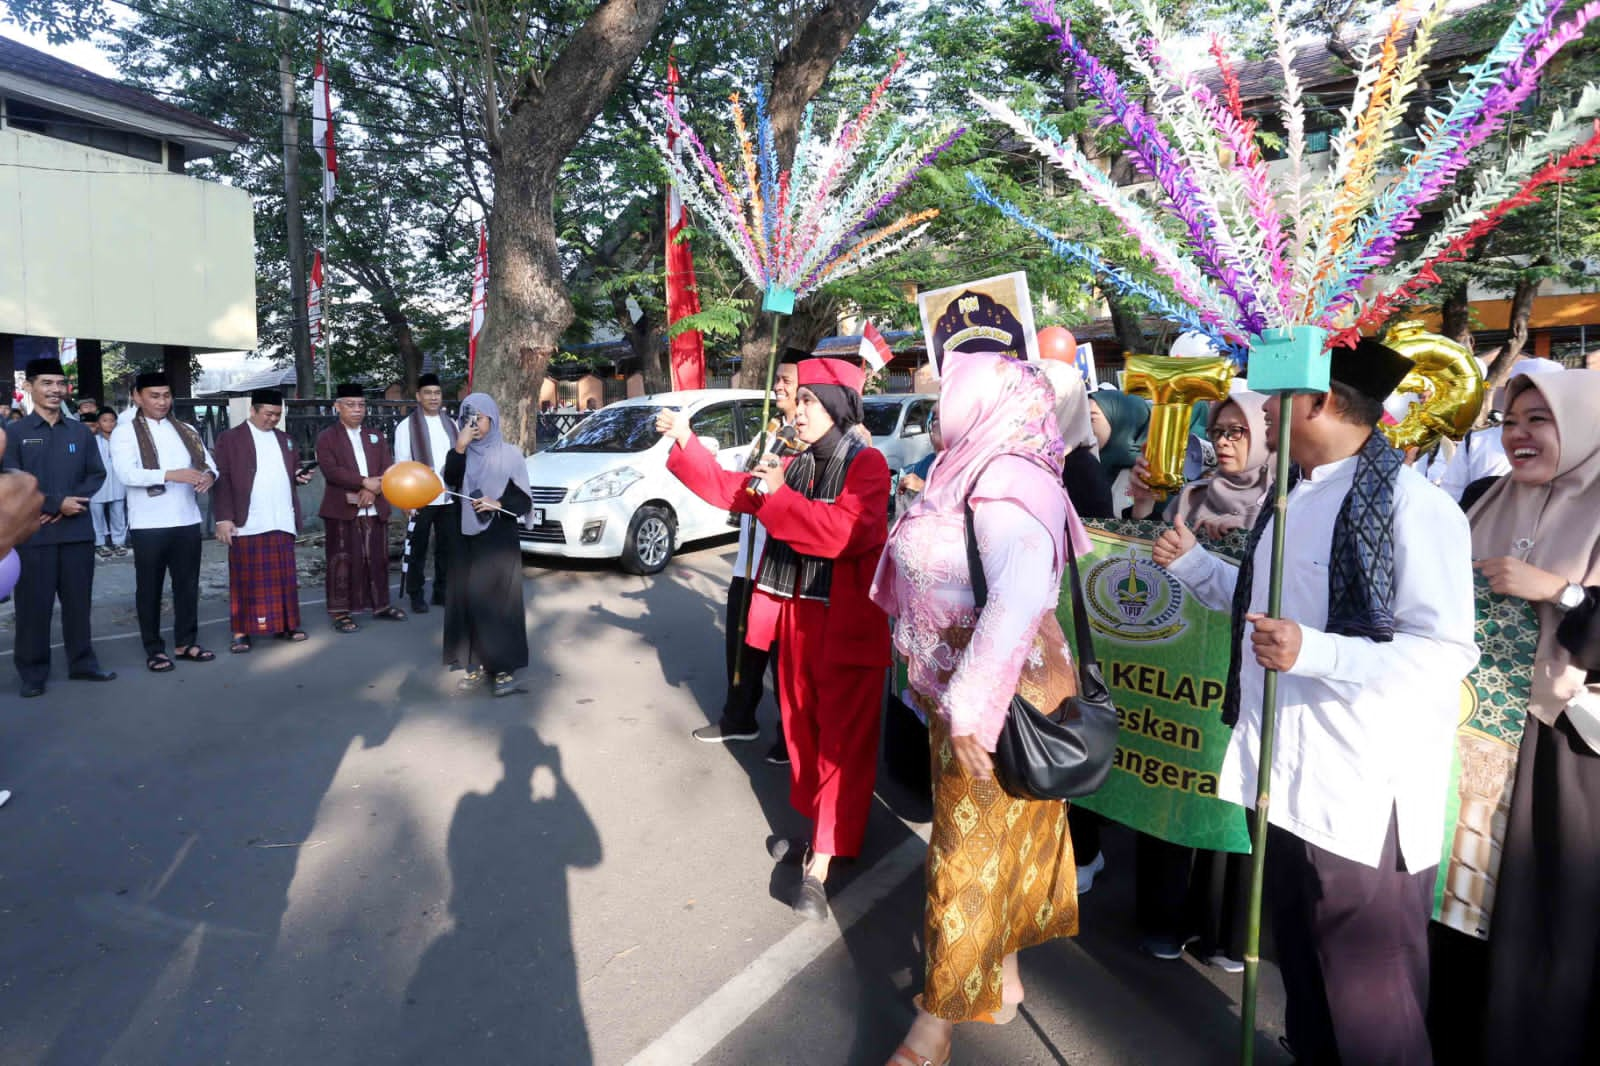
739 708
51 572
158 553
1189 892
1353 948
444 522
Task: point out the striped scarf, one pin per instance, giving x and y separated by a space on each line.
786 573
149 454
421 439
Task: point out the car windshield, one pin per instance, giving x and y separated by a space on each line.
882 417
612 429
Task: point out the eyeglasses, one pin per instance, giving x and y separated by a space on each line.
1216 433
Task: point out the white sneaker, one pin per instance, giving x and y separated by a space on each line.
5 794
1086 874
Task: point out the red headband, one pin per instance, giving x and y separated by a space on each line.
831 372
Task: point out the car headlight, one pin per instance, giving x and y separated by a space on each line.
607 486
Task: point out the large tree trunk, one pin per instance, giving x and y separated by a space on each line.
1127 323
1521 311
1456 315
528 308
798 71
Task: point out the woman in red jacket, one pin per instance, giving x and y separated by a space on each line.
826 516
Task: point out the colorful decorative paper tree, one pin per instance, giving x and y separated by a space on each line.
1249 245
823 218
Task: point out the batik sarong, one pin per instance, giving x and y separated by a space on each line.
358 565
1001 877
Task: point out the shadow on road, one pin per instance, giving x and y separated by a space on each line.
502 985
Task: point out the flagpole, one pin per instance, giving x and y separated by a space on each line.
327 301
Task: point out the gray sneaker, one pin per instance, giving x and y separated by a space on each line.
717 733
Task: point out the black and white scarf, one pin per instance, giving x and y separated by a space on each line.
422 440
1360 568
818 474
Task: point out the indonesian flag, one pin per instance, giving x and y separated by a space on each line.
69 349
688 350
874 349
480 301
322 126
314 302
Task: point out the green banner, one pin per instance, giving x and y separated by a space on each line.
1165 657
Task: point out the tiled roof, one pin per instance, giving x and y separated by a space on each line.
1317 68
46 68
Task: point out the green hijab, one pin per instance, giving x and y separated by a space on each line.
1129 417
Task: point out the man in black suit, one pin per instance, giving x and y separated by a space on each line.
58 562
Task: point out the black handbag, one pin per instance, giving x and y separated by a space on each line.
1066 752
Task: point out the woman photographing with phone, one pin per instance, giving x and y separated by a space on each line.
484 626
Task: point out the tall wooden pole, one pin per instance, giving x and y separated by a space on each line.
300 321
1269 730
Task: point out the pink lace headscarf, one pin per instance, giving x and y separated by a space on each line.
991 406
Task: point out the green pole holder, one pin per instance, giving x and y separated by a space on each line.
778 301
1290 360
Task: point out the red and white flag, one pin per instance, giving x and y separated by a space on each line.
322 126
314 302
480 301
874 349
688 351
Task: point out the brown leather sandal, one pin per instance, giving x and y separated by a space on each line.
906 1055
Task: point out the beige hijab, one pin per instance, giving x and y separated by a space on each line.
1232 501
1072 405
1554 526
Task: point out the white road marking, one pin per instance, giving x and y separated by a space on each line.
730 1006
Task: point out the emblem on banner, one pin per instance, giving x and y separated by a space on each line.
1133 598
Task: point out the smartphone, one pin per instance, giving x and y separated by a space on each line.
467 413
306 466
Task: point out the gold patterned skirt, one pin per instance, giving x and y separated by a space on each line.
1001 877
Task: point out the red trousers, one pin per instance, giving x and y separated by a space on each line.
831 714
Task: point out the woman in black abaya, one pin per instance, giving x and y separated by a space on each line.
484 625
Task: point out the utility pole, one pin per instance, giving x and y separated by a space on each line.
305 370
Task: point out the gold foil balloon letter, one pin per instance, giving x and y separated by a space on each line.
1448 379
1173 386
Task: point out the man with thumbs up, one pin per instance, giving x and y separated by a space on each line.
1375 638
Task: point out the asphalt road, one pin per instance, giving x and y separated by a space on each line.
320 854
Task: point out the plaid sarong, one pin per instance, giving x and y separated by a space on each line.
263 587
358 564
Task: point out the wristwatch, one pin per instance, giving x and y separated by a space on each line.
1571 597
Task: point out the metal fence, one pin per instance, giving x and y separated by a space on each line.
303 420
209 417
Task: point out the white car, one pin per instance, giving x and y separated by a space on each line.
899 425
603 491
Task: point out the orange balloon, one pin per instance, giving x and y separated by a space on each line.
410 485
1057 342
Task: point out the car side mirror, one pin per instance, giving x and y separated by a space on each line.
915 429
711 444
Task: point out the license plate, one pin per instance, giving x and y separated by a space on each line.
536 516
